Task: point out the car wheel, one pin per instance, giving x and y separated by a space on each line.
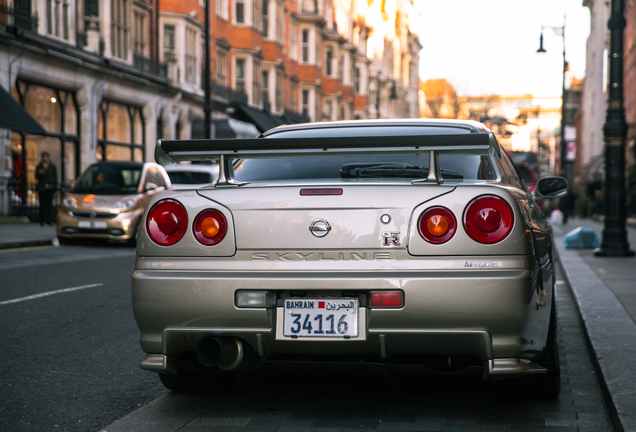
198 382
66 241
544 386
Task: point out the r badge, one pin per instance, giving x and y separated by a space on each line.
390 238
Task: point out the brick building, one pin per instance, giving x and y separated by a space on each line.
106 79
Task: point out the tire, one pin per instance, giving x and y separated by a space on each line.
66 241
543 386
198 382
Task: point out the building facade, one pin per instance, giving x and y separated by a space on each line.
106 79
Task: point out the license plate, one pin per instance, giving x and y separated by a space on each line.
93 224
325 317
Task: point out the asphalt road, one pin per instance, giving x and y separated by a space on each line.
69 358
69 349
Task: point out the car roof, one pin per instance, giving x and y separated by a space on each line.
428 126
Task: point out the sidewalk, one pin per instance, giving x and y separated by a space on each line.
17 235
604 290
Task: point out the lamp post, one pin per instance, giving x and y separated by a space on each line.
207 104
565 166
614 242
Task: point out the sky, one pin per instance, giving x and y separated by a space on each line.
488 47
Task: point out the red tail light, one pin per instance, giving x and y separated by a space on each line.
167 222
437 225
488 219
387 299
210 227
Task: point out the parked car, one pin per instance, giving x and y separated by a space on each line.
395 246
189 176
528 175
108 199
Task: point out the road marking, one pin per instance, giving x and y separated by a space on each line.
49 293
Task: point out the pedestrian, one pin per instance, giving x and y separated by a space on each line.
46 174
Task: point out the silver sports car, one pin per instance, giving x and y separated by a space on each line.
391 247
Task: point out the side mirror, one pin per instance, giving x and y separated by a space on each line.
551 187
150 186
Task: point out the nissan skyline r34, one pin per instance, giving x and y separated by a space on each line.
384 246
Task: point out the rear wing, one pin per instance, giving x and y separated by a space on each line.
225 150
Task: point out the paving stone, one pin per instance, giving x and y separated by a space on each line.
346 424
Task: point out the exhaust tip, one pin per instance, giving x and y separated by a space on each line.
224 353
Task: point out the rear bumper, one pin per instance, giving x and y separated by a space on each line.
491 315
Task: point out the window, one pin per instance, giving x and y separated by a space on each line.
341 68
328 60
305 47
256 86
257 14
191 55
221 8
293 94
280 22
240 75
168 37
221 66
328 110
356 80
57 18
265 81
265 18
140 33
280 91
293 39
305 102
119 28
240 12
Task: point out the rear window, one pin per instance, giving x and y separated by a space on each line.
454 167
189 177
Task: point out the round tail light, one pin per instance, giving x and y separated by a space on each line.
488 219
167 222
437 225
210 227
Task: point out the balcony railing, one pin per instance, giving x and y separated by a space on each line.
150 66
224 91
18 17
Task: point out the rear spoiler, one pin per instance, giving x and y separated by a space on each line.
224 150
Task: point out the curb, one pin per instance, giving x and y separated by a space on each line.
28 243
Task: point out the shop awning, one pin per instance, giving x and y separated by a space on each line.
16 118
262 120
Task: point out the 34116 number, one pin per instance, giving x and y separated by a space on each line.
329 324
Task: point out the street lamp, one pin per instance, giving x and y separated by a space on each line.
614 241
564 167
207 104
